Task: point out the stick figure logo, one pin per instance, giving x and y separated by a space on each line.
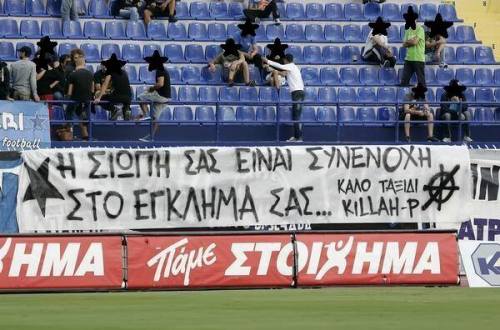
441 187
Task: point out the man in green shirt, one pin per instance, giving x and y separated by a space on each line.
414 42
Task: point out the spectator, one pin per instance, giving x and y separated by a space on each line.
458 110
23 77
159 8
127 9
247 40
263 9
413 111
99 76
376 48
275 78
158 94
69 10
58 89
277 51
80 91
46 78
435 40
233 62
4 82
296 85
120 93
414 42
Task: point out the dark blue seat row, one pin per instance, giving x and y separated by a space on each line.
95 8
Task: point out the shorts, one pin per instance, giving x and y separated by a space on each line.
158 12
281 78
413 117
80 109
158 107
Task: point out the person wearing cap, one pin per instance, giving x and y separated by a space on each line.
454 107
263 9
23 77
415 109
414 42
376 48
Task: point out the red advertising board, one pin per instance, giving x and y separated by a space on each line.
210 261
61 262
376 259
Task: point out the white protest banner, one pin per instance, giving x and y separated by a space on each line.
117 189
481 261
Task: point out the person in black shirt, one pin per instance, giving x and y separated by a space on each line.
46 79
80 90
4 82
120 91
159 94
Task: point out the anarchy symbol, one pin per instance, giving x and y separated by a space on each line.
442 192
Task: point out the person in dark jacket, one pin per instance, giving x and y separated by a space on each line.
4 82
458 110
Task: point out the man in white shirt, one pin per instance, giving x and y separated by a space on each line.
296 86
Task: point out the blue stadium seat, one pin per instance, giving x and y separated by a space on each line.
218 10
175 74
390 12
266 113
284 94
248 94
296 51
327 94
332 55
428 12
497 95
386 94
346 114
30 29
72 30
315 11
65 48
329 76
211 52
208 94
295 11
388 76
351 54
146 76
448 12
115 30
260 33
166 115
211 77
191 75
352 33
93 30
7 51
175 53
132 53
365 31
217 31
157 31
204 113
393 34
402 92
177 31
484 55
367 94
197 31
255 74
369 75
52 28
465 34
54 8
326 114
465 55
430 75
233 30
366 114
404 8
235 10
429 95
228 94
225 113
149 49
469 94
188 94
312 54
99 9
349 76
36 8
386 114
452 35
353 12
333 33
108 49
275 31
314 32
310 75
497 77
199 10
136 30
194 53
372 11
182 113
465 76
347 94
413 79
308 114
58 112
245 113
181 10
484 77
19 45
483 114
15 7
268 94
449 55
334 12
132 74
91 51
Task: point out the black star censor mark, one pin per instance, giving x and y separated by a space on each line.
40 188
441 192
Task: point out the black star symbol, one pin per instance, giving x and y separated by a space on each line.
40 188
37 122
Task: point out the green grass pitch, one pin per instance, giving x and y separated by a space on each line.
304 309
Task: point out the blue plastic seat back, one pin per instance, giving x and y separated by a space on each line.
175 53
194 53
205 113
484 55
174 73
312 54
334 12
191 75
132 53
428 12
157 31
327 94
183 113
315 11
448 12
372 10
347 114
365 31
35 8
483 114
275 31
208 94
217 31
235 10
245 113
333 33
465 76
351 54
197 31
295 11
7 51
367 94
218 10
228 94
308 113
65 48
386 94
388 76
393 34
332 55
386 114
177 31
296 51
449 55
15 7
284 94
98 9
310 76
353 11
115 30
181 10
91 51
72 29
135 30
465 34
369 75
209 77
484 95
349 76
443 76
93 30
132 73
469 94
225 113
199 10
311 95
52 28
149 49
211 52
352 33
314 32
188 94
266 113
465 55
285 113
391 12
347 94
484 77
166 115
30 29
497 77
366 114
146 76
326 114
497 94
54 8
248 94
9 28
268 94
430 75
329 76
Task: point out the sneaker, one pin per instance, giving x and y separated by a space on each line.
147 138
468 139
443 65
387 64
432 139
294 139
256 20
407 139
251 83
447 140
277 21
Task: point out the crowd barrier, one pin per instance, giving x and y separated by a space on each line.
226 260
